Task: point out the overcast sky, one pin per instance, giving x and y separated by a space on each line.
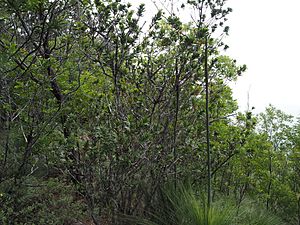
264 35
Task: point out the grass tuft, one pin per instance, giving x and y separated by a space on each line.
184 206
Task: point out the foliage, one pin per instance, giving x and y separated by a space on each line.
98 112
40 202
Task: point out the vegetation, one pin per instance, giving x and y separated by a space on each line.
185 206
99 111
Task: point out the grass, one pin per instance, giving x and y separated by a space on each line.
250 213
184 206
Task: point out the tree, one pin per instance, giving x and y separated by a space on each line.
93 104
277 126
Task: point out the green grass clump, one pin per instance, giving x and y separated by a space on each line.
184 206
251 213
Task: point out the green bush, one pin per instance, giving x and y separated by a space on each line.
39 202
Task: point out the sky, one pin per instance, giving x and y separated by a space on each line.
264 35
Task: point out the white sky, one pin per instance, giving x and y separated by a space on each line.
264 35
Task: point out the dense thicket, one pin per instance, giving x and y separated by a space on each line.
99 111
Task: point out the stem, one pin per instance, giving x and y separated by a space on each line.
270 180
209 199
175 122
298 210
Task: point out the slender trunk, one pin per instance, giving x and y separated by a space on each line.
207 128
270 181
175 123
298 210
243 189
